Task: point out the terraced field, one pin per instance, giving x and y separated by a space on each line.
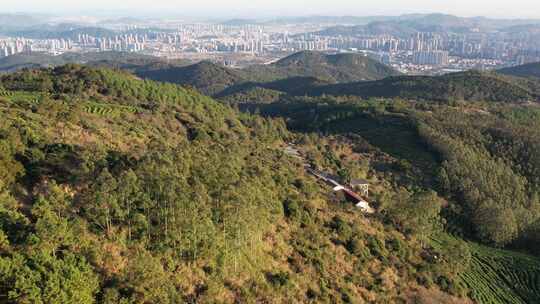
19 97
4 93
91 107
502 277
108 110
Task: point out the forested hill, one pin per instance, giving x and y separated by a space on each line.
482 157
292 86
213 79
335 68
115 189
470 85
124 60
526 70
206 76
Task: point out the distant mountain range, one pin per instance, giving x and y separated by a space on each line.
60 31
13 21
414 20
402 26
311 20
40 26
407 24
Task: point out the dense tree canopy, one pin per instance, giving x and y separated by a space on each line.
119 190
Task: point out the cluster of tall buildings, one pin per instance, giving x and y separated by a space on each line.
421 50
240 46
528 56
124 43
417 43
473 45
431 58
11 47
309 45
58 45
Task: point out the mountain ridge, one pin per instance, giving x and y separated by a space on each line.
526 70
468 86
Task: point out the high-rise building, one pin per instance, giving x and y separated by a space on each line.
431 58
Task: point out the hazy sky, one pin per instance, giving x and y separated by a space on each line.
257 8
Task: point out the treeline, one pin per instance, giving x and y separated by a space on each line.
490 166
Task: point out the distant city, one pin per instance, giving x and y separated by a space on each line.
240 43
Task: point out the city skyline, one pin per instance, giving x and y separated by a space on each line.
257 9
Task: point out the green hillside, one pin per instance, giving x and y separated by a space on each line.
115 189
334 68
207 77
481 157
291 86
459 86
119 190
250 93
123 60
